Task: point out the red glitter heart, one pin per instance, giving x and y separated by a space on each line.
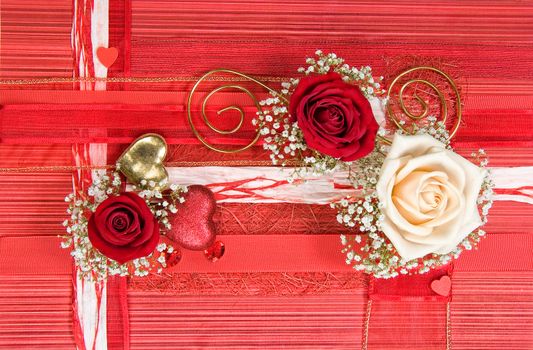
193 226
442 286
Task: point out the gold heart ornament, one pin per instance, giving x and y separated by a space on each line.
143 160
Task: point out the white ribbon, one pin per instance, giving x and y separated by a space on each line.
316 190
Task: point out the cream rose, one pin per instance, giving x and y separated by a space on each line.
429 195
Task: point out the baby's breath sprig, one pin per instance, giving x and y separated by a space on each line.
430 126
363 173
485 198
161 202
325 63
91 263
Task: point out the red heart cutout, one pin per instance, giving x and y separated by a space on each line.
107 55
442 286
193 226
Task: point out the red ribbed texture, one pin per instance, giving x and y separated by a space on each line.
488 44
236 322
36 39
118 324
36 311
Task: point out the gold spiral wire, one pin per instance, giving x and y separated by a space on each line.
405 110
241 112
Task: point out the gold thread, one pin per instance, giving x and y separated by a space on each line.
425 109
67 168
366 326
232 107
58 168
448 327
59 80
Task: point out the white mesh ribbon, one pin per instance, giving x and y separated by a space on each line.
269 185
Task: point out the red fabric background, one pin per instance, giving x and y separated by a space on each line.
488 44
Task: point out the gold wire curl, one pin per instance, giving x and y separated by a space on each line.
425 108
232 107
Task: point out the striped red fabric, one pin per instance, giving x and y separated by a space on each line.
118 323
36 311
236 322
488 44
35 38
492 310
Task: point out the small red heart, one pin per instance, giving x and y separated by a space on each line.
107 55
193 226
442 286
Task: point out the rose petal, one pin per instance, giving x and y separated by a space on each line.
106 230
391 211
346 134
436 161
137 240
142 250
411 214
364 146
409 187
304 87
470 224
455 205
440 235
119 221
406 249
412 145
454 215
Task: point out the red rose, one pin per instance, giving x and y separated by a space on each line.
123 228
335 117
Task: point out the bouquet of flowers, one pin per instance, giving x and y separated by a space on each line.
419 203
